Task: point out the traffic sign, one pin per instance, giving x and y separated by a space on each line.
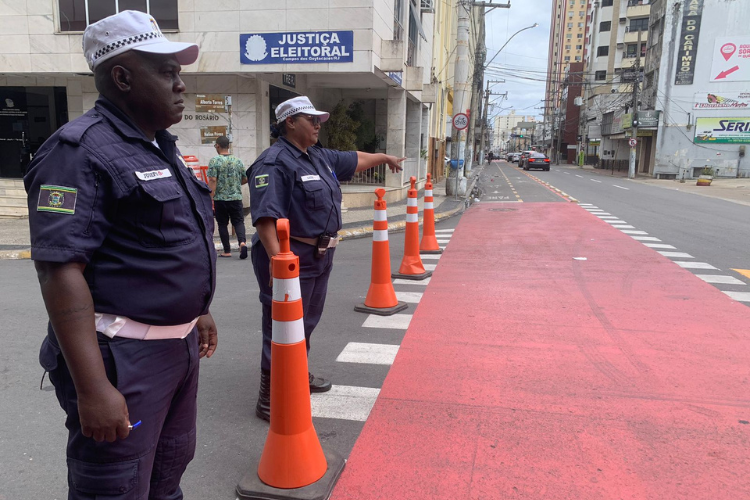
633 142
460 121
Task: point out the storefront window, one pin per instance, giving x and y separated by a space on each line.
75 15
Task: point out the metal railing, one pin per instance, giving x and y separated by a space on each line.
371 177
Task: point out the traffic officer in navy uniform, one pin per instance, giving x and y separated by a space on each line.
122 239
296 179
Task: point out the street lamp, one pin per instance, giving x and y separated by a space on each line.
507 41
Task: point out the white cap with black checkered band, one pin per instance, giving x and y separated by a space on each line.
300 104
131 30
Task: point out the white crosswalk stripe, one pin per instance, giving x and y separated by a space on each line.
677 254
344 402
401 281
371 354
630 231
444 230
409 297
626 226
739 296
720 279
430 256
429 267
643 238
693 265
395 321
659 245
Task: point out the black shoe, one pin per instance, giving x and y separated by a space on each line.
243 251
263 406
318 384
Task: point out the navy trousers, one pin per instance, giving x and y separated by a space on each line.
313 280
159 380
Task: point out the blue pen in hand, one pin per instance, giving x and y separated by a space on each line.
134 426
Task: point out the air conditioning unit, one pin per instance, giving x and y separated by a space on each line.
620 45
578 101
623 20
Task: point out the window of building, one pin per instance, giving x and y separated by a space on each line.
580 25
570 25
631 50
578 58
398 19
639 24
579 35
607 3
581 14
570 13
579 47
567 58
567 47
75 15
602 50
569 35
600 76
605 26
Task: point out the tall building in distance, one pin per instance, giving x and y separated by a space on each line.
566 46
504 126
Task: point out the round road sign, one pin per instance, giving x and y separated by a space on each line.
460 121
633 142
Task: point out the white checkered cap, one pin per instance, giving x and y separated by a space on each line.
131 30
296 105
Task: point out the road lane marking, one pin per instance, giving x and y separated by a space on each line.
717 278
585 205
410 297
344 403
693 265
369 354
566 173
626 189
395 321
630 231
743 272
608 216
641 238
677 254
660 245
401 281
594 180
739 296
579 176
615 221
626 226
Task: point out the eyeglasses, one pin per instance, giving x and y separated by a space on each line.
315 120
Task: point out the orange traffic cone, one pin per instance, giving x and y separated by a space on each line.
381 298
411 265
292 457
429 244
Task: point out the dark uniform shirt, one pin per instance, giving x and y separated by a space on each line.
100 193
302 187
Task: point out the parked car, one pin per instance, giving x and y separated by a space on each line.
515 156
522 158
536 160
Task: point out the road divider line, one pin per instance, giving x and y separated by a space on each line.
626 189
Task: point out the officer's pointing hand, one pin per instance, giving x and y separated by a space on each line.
104 415
394 163
207 334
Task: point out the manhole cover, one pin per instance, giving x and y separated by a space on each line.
503 209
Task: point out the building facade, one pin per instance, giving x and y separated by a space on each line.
372 57
504 127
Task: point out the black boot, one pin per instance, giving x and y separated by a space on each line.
263 406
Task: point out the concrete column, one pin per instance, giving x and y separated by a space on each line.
262 116
425 142
381 122
396 134
413 135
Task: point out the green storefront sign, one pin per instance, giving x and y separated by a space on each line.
722 131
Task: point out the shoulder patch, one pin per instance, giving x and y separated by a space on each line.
57 199
261 181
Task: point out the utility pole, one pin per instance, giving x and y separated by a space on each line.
460 77
634 127
487 95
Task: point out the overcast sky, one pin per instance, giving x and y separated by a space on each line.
523 62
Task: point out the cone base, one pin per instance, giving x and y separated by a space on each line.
251 487
415 277
432 252
381 311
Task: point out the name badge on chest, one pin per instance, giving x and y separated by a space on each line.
154 174
308 178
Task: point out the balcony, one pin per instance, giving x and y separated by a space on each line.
632 36
637 8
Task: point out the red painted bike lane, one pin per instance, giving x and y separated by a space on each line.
526 373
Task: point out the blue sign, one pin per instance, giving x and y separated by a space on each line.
297 48
396 76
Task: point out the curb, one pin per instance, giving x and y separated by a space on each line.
15 254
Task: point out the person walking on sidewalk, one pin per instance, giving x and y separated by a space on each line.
226 175
122 239
298 180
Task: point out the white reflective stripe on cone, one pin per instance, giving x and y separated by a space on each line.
428 192
412 217
380 215
380 235
428 205
286 290
411 202
288 332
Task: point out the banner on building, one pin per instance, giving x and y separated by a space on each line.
721 100
297 48
691 28
210 133
731 59
209 103
722 131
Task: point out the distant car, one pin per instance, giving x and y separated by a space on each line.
515 156
536 160
522 158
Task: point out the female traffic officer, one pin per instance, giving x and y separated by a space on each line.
297 180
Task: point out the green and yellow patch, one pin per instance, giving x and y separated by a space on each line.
57 199
261 181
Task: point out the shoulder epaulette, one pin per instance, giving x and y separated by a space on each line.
73 131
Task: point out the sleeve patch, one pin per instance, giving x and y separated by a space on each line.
58 199
261 181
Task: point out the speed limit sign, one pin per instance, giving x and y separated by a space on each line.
633 142
460 121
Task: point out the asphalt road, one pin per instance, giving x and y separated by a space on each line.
230 437
709 230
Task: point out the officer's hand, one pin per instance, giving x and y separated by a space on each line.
394 163
207 334
104 415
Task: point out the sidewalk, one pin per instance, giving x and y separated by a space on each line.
357 222
556 357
